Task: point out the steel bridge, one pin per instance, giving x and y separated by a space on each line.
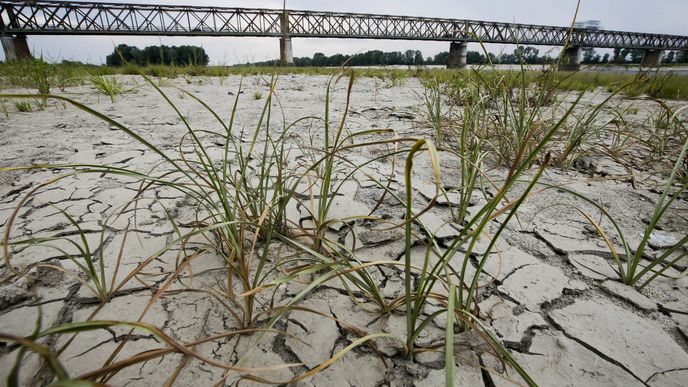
47 17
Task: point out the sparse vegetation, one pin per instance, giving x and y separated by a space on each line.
263 207
655 84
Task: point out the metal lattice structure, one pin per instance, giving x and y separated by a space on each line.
90 18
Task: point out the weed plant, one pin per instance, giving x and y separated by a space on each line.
432 97
23 106
109 86
634 265
526 141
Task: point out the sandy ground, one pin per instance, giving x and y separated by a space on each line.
551 294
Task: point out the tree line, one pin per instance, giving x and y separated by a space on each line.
194 55
527 54
626 55
154 55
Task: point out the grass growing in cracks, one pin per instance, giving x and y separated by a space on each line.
241 202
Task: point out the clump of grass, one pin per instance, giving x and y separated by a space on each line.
41 74
394 78
34 74
23 106
257 95
527 152
633 266
581 131
432 97
85 258
109 86
662 131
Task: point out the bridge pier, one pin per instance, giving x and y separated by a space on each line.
286 54
571 59
651 58
15 47
457 55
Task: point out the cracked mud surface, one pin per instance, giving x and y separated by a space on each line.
550 292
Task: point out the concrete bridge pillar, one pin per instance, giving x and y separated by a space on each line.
286 54
15 47
457 55
651 58
571 59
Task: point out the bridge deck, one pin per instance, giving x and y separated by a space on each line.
90 18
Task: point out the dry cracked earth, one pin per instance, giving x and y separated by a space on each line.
550 293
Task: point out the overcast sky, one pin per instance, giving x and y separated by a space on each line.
659 16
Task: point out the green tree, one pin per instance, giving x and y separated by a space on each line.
182 55
336 60
408 57
319 59
418 58
475 57
442 58
128 53
588 55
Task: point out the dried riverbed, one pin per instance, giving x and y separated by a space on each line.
550 293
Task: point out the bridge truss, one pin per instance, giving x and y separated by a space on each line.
48 17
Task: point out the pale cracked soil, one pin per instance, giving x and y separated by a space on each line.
551 294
